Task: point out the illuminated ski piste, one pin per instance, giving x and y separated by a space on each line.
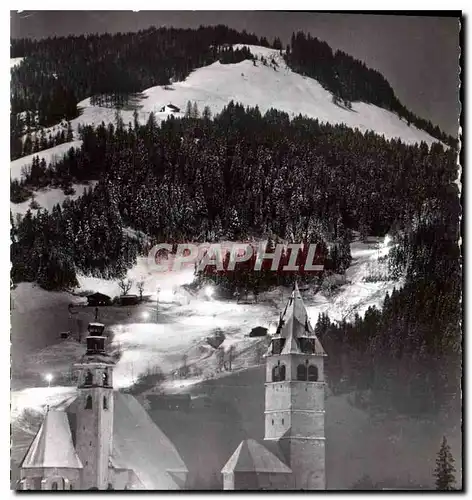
182 327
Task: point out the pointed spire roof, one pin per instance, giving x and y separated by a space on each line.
52 446
250 456
295 324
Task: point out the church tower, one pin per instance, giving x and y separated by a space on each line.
94 432
295 395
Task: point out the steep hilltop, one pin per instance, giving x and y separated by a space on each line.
266 82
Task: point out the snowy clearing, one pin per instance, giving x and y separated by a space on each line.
267 86
47 198
51 155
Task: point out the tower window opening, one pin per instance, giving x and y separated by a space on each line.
88 403
105 403
277 346
312 373
283 421
272 421
105 379
302 372
88 378
54 486
278 373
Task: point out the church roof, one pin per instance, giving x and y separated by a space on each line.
140 445
296 325
52 446
251 456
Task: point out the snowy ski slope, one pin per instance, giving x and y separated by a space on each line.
267 86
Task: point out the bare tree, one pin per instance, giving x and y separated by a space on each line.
125 286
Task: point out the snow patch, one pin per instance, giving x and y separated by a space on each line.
15 61
51 155
47 198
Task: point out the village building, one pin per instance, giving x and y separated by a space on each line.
101 440
128 300
170 108
98 299
258 331
292 456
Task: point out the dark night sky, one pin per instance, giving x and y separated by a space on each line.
419 56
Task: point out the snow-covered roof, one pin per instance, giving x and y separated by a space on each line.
296 325
140 445
52 446
250 456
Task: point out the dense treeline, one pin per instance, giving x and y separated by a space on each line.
408 353
243 175
351 80
248 278
86 234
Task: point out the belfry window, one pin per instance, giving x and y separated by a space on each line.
278 373
312 373
105 403
105 379
88 378
301 372
54 486
88 403
277 345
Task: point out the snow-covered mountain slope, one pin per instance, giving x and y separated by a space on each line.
268 86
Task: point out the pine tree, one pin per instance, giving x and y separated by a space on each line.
70 133
206 113
444 471
188 110
195 111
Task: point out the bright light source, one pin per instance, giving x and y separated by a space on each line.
145 315
209 291
272 328
387 240
48 377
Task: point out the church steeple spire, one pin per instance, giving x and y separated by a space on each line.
294 334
